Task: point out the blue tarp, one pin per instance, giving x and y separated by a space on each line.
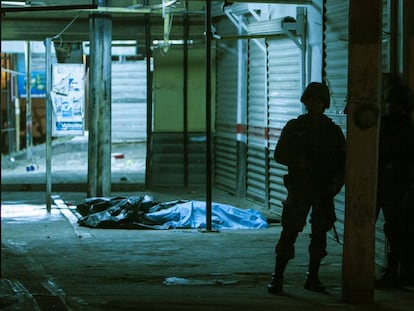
192 214
141 213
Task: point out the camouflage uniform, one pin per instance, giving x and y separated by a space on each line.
313 148
396 191
315 156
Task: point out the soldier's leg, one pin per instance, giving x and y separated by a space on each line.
285 250
293 220
323 218
317 251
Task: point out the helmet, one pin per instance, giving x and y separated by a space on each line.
401 95
318 90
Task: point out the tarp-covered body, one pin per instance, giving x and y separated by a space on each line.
138 212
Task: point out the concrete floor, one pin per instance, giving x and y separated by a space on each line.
49 262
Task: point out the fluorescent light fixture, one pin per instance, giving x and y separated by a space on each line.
162 42
13 3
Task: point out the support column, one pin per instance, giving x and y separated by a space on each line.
99 146
208 117
242 116
29 119
148 55
364 73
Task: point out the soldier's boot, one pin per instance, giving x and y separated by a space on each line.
312 276
276 283
390 278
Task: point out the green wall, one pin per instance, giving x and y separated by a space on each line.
168 90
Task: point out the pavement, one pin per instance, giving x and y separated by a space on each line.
49 262
26 170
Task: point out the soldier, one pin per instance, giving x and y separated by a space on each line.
312 147
396 186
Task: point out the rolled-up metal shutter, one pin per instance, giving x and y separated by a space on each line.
129 101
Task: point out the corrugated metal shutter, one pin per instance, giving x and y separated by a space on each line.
167 160
129 101
381 243
336 76
336 54
284 88
226 112
386 35
257 122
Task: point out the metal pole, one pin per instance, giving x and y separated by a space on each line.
208 114
185 99
29 122
149 99
49 111
241 112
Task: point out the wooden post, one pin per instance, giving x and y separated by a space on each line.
99 145
358 275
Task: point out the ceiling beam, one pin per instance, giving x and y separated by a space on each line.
5 10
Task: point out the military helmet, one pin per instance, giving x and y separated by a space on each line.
316 90
401 95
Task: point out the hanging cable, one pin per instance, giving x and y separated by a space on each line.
66 28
